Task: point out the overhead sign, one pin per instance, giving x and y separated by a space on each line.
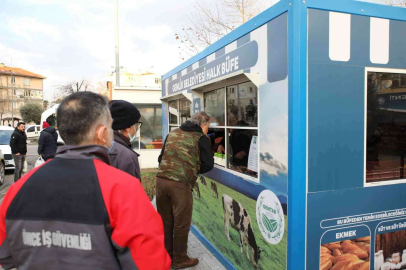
242 58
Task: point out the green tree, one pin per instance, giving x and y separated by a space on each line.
31 112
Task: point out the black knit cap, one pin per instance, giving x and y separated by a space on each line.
124 114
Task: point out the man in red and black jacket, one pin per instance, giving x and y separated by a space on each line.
76 211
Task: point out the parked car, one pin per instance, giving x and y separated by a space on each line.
5 136
33 131
2 170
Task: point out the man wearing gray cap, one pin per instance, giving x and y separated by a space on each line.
125 125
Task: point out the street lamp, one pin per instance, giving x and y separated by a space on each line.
117 50
12 98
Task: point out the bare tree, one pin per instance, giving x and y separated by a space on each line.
211 21
102 89
399 3
72 87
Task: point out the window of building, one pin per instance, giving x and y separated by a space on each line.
27 81
13 79
14 104
235 141
27 93
151 128
179 112
385 127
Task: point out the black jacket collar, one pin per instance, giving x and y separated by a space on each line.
191 127
16 130
123 140
84 152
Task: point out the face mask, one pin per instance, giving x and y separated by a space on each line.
133 138
112 141
111 147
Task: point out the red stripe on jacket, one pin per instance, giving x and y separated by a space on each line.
135 223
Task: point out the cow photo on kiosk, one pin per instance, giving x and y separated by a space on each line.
239 219
214 190
196 188
203 181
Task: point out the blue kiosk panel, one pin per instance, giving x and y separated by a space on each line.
311 95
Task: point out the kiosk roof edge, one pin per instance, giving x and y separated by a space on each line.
357 7
347 6
264 17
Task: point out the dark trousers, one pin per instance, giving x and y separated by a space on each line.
174 201
19 164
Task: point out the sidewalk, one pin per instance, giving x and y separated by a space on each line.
197 250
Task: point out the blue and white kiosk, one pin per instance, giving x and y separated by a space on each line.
308 108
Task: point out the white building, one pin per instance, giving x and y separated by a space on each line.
128 78
145 94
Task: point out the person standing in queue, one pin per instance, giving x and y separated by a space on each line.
185 154
18 144
126 122
48 142
76 211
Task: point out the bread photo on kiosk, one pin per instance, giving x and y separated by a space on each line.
346 255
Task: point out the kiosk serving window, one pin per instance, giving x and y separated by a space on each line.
179 112
214 106
385 127
234 126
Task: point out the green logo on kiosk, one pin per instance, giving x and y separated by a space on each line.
270 217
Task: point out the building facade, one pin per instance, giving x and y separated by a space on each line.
18 86
127 78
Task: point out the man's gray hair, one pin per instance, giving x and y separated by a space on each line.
200 118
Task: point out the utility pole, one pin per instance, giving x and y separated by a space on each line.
12 98
117 50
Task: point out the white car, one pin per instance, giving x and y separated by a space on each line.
33 132
5 136
2 170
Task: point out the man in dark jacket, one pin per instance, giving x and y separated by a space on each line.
47 143
186 153
18 144
76 211
125 125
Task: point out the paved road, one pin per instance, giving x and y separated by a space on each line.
32 157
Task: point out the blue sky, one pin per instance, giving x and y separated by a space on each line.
71 40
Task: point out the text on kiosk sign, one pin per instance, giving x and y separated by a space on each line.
228 66
242 58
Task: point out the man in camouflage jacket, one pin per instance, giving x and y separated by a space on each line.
186 153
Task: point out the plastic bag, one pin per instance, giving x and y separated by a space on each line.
154 202
39 162
25 167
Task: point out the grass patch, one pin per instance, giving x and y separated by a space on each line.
149 181
208 217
